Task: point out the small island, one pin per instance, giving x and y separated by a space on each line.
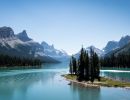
86 71
107 82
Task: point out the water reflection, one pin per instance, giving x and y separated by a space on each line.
18 85
85 93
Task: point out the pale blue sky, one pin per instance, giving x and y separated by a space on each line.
68 23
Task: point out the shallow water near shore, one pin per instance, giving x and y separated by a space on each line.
47 84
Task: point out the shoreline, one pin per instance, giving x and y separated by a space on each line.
105 82
83 83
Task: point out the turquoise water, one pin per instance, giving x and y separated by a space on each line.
47 84
118 74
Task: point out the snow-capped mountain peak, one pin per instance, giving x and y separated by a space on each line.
96 50
22 46
51 51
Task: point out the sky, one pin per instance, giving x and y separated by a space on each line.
68 24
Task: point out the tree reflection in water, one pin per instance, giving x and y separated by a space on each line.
85 93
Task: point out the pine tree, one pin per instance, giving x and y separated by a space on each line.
8 61
74 64
71 67
81 66
86 66
91 65
96 67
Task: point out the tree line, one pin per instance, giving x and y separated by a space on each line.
6 60
86 67
118 61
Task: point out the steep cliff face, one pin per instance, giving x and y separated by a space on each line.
113 45
21 45
23 36
121 47
6 32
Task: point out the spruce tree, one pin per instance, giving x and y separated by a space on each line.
74 65
81 65
86 66
92 72
96 67
71 67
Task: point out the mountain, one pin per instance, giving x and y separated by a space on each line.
21 45
123 50
23 36
98 51
6 32
113 45
124 40
49 50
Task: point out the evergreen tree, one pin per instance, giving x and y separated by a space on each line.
96 66
74 63
71 67
120 61
92 71
81 66
86 66
8 61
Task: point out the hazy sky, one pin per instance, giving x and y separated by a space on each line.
68 23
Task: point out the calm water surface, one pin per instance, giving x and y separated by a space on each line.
47 84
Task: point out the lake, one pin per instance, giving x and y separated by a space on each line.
47 84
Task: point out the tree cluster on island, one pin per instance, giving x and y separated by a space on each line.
10 61
87 67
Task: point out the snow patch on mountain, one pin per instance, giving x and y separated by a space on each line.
99 52
55 53
23 46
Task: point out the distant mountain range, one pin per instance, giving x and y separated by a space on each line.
21 45
50 51
98 51
118 47
112 47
